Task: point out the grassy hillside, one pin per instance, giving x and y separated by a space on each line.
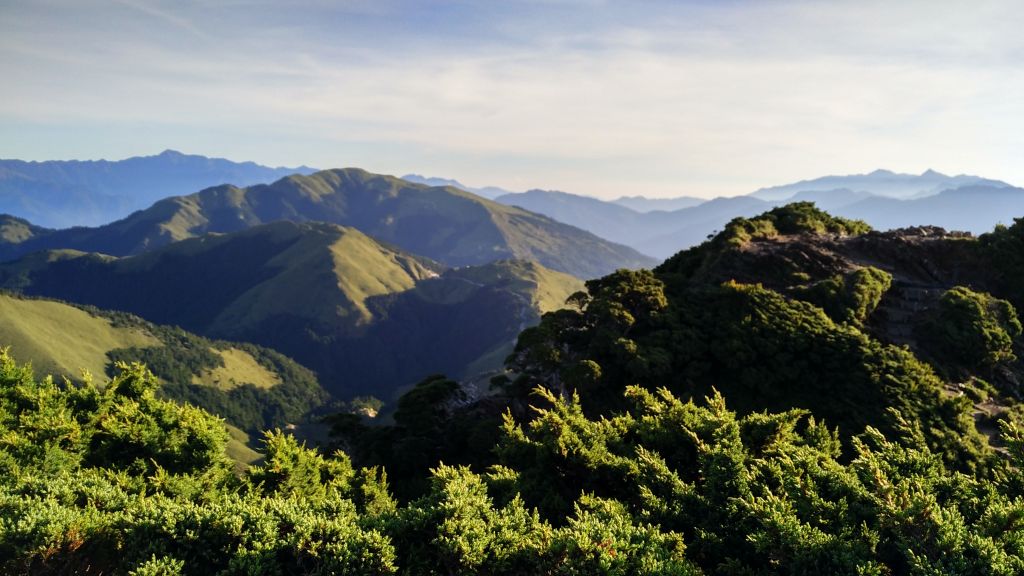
367 317
443 223
16 230
225 285
63 340
252 387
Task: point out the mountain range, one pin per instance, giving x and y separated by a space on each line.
798 392
329 296
644 204
489 192
344 271
62 193
879 183
882 198
442 223
59 194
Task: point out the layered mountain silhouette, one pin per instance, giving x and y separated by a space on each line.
442 223
657 233
329 296
975 208
490 192
644 204
882 198
60 193
607 219
879 183
40 196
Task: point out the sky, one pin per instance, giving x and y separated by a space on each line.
606 98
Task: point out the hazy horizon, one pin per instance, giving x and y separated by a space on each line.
476 185
660 99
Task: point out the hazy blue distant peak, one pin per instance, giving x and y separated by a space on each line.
433 181
172 155
645 204
64 193
490 192
879 183
559 193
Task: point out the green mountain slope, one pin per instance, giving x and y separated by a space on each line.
252 387
62 340
446 224
820 448
227 284
463 323
368 318
798 309
16 230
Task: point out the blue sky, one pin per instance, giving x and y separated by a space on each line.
602 98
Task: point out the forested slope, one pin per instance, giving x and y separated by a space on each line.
667 422
369 318
252 387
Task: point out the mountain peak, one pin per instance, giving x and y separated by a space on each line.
61 193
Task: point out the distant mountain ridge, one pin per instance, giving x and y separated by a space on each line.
603 218
442 223
62 193
651 226
489 192
658 233
645 204
879 183
972 208
882 198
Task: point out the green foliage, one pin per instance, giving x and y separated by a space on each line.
124 427
429 427
1003 252
582 348
761 349
794 218
835 454
974 328
850 298
366 405
765 493
247 406
120 481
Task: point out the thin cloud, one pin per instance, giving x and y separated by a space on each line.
168 17
699 98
